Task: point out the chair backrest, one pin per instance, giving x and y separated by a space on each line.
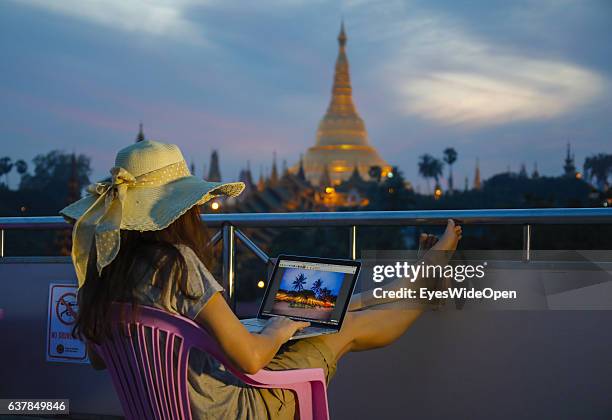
147 358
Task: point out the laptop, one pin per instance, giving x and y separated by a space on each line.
317 290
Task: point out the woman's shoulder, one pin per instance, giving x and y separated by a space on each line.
190 255
197 269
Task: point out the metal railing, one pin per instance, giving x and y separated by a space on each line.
229 225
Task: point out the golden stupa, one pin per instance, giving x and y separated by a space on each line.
342 139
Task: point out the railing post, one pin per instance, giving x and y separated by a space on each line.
353 242
1 243
228 265
526 243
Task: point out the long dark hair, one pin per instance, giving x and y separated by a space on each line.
118 280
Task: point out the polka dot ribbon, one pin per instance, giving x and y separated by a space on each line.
101 222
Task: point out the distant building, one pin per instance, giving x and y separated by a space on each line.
214 173
569 168
246 177
477 183
336 172
274 173
351 192
342 139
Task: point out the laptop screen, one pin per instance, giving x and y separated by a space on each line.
310 291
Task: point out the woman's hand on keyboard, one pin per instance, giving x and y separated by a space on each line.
283 328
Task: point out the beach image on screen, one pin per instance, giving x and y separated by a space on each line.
307 293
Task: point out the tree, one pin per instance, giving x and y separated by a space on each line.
21 167
5 167
326 294
450 157
392 193
316 287
430 167
375 173
599 167
299 282
54 170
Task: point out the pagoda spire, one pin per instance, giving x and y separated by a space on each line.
261 184
477 183
214 173
246 177
301 175
355 175
341 134
569 168
140 136
274 172
342 91
325 178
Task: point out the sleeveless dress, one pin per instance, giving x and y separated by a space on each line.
214 392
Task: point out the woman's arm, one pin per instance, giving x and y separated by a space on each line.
248 352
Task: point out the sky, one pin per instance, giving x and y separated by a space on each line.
505 82
331 280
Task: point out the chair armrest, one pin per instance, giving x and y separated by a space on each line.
286 377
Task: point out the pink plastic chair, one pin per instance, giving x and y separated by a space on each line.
153 384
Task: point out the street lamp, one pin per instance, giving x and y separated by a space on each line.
437 192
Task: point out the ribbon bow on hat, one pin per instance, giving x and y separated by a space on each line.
101 222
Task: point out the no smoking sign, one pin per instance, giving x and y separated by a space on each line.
63 310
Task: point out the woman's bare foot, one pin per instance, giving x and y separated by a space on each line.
443 249
449 240
426 241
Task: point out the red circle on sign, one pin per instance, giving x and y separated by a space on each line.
65 308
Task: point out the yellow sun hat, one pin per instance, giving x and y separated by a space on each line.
151 187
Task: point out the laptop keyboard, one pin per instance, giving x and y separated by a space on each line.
256 325
313 330
254 321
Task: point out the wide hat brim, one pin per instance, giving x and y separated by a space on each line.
156 207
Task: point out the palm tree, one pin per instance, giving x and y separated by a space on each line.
316 287
450 157
5 167
21 167
430 167
599 167
326 294
299 282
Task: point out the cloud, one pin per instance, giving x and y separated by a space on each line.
440 71
523 90
150 17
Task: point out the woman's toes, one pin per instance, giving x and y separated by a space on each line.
432 239
423 240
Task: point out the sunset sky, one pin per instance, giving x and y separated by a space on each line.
508 82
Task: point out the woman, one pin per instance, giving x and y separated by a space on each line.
139 238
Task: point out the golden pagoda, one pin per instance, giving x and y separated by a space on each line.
342 139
